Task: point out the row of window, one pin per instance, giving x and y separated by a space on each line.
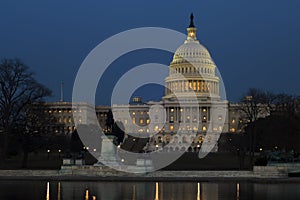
187 109
195 86
68 119
141 112
60 129
62 110
191 70
141 121
175 139
171 128
191 53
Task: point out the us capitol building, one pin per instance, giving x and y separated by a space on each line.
190 110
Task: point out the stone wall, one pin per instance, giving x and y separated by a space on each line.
103 172
276 169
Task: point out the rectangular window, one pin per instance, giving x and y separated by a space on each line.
171 118
195 119
187 118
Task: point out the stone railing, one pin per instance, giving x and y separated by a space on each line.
276 169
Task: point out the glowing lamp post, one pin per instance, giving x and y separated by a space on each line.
59 151
48 153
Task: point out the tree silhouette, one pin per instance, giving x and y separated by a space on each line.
253 104
114 128
117 131
18 89
33 128
109 121
264 111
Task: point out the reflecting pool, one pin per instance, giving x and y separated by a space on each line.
65 190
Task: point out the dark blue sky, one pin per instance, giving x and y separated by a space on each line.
254 43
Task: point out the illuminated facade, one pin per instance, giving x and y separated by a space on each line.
192 101
192 106
64 115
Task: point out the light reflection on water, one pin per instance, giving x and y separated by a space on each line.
38 190
48 191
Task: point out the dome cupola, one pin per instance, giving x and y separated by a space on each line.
192 69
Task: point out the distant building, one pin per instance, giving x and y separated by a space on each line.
191 107
63 113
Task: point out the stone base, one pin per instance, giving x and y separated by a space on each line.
109 154
104 162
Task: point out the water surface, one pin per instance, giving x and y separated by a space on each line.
64 190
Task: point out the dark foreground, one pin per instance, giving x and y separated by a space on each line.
189 161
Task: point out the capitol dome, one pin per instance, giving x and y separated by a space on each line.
193 52
192 69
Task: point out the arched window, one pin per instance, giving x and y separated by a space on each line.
159 139
168 138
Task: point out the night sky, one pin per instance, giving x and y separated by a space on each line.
254 43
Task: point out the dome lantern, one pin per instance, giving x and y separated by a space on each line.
192 29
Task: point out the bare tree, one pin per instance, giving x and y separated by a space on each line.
287 104
18 88
34 130
255 104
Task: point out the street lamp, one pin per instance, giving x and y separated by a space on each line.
59 151
48 154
